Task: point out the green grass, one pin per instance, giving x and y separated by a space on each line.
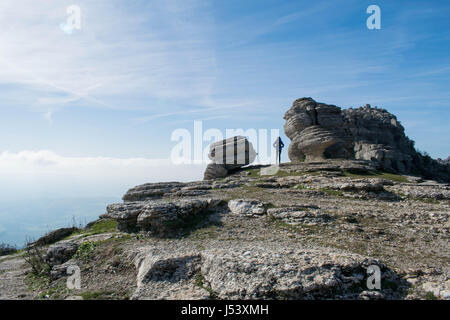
425 200
103 226
119 240
211 232
430 296
99 227
253 173
95 295
37 282
199 282
379 174
85 251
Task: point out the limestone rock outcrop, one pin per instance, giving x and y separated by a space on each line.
320 131
246 207
157 216
313 142
61 252
228 155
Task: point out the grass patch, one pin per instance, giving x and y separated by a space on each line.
118 240
430 296
426 200
96 295
37 282
200 282
85 251
211 232
378 174
103 226
331 192
98 227
253 173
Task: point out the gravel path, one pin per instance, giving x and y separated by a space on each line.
12 275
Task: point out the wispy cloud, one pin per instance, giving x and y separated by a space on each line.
162 52
210 107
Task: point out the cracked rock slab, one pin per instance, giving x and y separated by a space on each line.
156 215
246 207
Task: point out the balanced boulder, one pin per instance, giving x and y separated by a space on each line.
228 155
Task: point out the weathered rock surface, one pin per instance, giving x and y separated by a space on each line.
228 155
246 207
157 216
318 131
258 273
152 190
60 252
246 271
214 171
299 215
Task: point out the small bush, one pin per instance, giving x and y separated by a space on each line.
35 257
6 249
55 236
430 296
85 251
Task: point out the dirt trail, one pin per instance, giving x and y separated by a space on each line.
12 276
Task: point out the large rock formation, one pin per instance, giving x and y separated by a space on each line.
228 155
156 215
319 131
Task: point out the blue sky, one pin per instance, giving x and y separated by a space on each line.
91 113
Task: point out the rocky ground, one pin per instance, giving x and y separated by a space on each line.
305 231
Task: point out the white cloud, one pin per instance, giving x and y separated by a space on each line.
39 173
